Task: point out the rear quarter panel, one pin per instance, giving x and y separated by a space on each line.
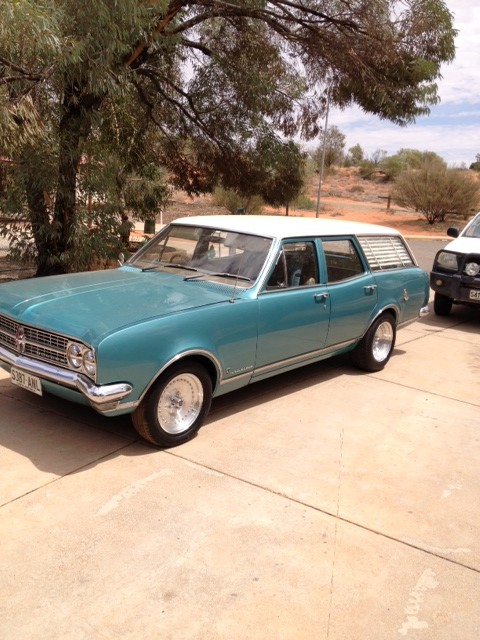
406 289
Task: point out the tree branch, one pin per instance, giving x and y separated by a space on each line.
24 73
161 25
191 115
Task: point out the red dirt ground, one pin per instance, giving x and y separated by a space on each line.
344 195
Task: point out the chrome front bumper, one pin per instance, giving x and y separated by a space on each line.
103 398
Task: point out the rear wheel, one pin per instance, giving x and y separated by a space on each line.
375 348
175 407
442 305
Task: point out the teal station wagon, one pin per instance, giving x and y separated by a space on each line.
209 305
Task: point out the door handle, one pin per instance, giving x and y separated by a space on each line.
370 289
320 297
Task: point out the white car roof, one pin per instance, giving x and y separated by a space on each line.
286 226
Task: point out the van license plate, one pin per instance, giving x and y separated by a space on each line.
474 294
26 381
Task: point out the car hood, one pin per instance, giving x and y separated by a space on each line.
464 245
90 305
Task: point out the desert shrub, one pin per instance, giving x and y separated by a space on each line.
392 166
233 201
303 202
436 191
366 169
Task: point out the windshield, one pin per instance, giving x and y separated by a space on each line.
473 228
201 252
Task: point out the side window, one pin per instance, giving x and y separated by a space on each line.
342 260
278 277
386 252
296 266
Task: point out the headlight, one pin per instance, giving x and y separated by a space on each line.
74 355
472 269
446 260
89 362
81 358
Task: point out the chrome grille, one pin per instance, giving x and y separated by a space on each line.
7 325
38 344
46 339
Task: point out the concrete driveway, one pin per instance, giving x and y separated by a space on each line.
322 504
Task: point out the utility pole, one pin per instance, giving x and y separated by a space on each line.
322 163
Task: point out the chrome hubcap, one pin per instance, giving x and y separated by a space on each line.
382 341
180 403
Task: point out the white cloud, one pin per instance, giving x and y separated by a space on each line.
466 114
461 80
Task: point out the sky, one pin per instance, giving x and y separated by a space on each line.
452 130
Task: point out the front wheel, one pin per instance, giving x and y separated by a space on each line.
442 305
173 410
375 348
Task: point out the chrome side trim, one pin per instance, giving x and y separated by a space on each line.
302 359
100 396
424 311
238 376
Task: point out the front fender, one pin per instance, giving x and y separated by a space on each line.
225 334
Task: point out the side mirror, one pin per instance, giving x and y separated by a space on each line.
452 232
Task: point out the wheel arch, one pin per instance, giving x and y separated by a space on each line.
373 351
204 358
390 309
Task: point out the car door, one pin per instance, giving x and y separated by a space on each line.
352 290
294 310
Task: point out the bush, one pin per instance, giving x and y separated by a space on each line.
436 191
303 202
233 201
367 168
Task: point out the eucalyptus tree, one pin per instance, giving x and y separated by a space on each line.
354 156
213 77
331 148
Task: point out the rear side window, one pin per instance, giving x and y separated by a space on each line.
342 260
385 252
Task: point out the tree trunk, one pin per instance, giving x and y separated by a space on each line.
39 219
74 127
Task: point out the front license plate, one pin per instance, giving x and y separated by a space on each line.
26 381
474 294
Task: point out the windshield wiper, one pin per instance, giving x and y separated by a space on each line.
170 265
221 275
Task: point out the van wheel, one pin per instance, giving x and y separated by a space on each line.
173 410
442 305
375 348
